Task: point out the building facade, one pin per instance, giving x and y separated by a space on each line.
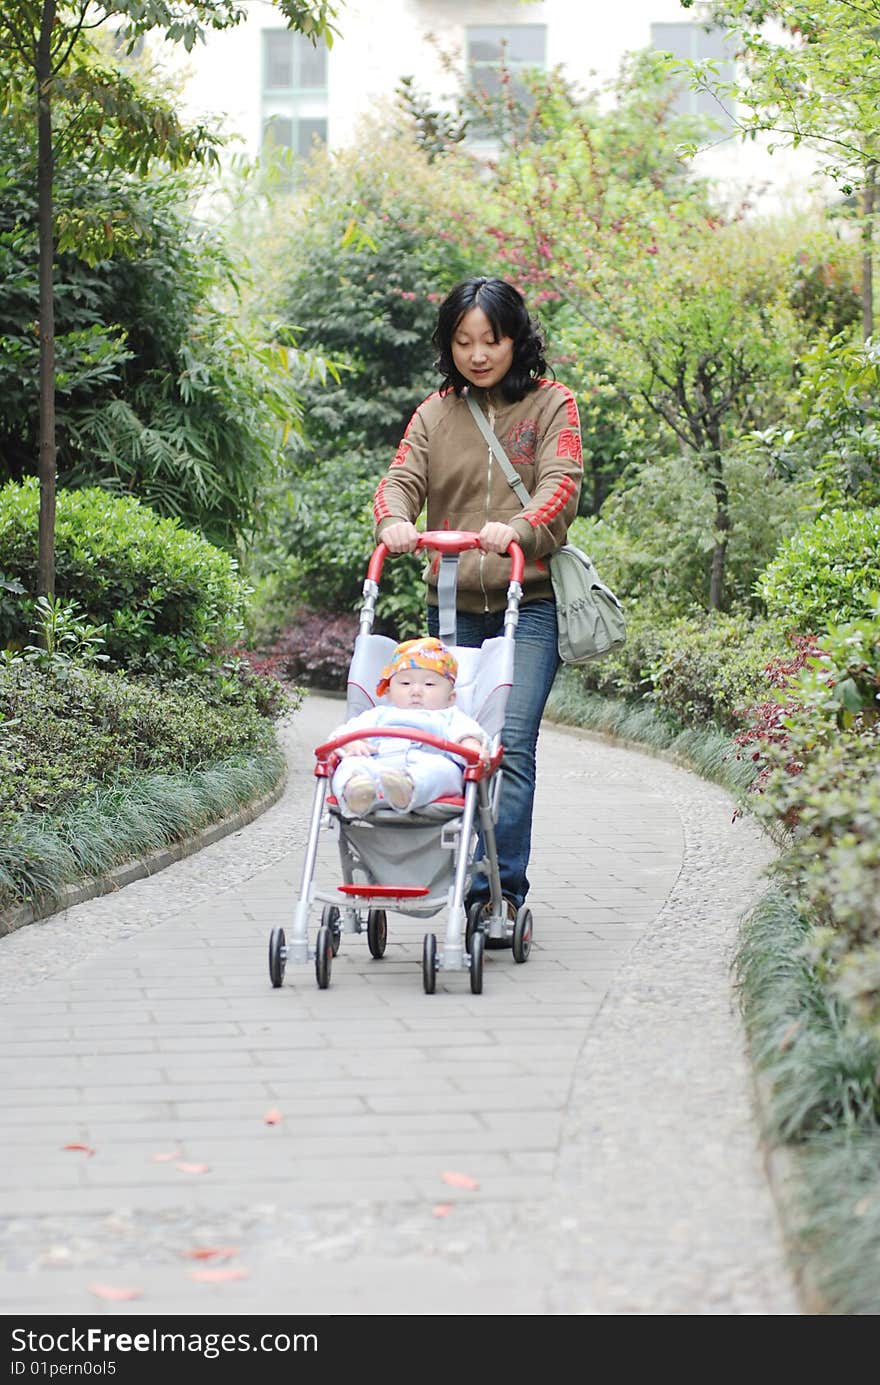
267 84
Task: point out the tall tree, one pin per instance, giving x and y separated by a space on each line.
610 227
116 121
809 73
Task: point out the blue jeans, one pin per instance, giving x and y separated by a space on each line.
535 663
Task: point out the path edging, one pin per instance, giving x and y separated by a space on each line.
143 866
780 1164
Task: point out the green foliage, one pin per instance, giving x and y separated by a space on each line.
826 573
833 432
808 77
657 533
364 264
712 667
66 641
436 131
186 24
323 538
618 429
700 670
819 1068
168 599
823 286
159 393
824 786
62 739
702 749
40 852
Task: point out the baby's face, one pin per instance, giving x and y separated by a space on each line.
420 687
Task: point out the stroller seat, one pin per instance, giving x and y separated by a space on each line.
483 682
421 861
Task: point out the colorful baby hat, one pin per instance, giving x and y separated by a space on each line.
422 653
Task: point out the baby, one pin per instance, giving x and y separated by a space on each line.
400 774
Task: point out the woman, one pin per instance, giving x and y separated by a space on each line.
489 346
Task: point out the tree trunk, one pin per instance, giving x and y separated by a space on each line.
869 197
45 179
722 529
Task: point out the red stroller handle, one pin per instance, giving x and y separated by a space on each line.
475 767
409 733
448 541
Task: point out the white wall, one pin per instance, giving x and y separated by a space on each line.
383 40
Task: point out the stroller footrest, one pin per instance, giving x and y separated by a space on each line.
385 891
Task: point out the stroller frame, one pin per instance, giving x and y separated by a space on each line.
355 907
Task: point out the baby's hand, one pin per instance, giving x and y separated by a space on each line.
356 748
472 743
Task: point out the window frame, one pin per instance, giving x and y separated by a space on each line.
688 102
504 62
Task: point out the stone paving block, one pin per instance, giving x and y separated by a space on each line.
145 1023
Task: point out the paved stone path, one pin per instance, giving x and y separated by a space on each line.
597 1095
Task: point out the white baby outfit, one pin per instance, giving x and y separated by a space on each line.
433 772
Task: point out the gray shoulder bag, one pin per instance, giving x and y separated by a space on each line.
589 616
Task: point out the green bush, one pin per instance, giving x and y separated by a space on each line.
63 738
826 574
699 669
323 538
654 542
712 667
165 388
40 853
169 599
831 433
823 787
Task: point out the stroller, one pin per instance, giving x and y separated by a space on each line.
421 862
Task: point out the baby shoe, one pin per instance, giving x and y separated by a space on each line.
398 788
359 794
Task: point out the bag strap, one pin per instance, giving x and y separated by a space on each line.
504 461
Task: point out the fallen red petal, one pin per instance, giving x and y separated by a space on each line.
111 1291
165 1158
442 1209
211 1252
86 1149
219 1276
192 1168
459 1180
273 1116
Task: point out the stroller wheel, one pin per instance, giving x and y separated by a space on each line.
477 946
330 918
323 957
474 924
277 956
522 934
377 932
429 963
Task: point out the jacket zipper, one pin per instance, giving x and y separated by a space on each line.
488 505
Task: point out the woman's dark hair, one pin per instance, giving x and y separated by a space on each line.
506 310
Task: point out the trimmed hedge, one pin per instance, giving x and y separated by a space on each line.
169 599
63 739
827 573
700 669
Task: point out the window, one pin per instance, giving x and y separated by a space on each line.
292 63
277 60
297 136
294 94
493 49
691 42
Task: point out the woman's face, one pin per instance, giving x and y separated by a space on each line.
477 355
